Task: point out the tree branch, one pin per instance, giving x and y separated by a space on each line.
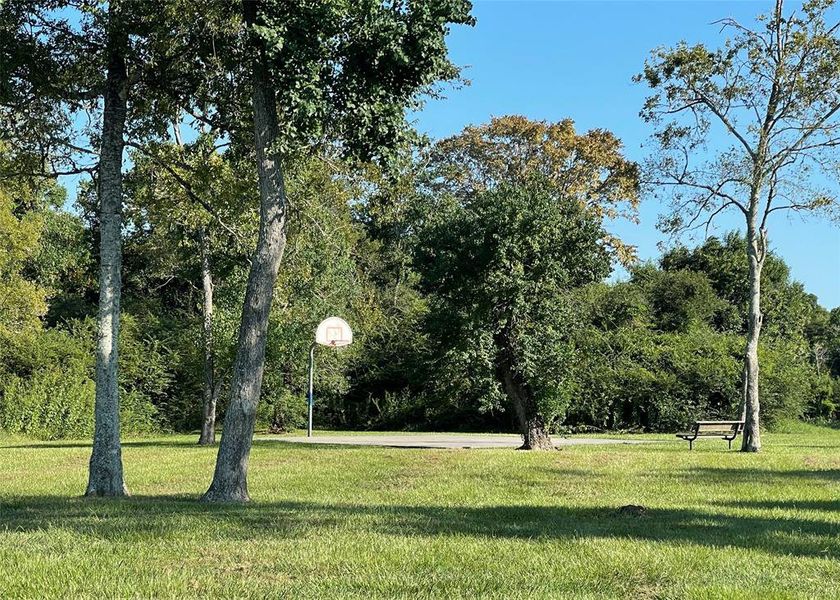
188 189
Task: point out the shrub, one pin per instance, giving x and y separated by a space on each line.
282 411
54 404
50 405
638 379
47 388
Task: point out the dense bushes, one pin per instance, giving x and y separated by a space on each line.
635 378
652 353
639 379
47 388
50 404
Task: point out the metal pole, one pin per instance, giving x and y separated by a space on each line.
311 400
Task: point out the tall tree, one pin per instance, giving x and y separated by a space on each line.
114 64
197 205
309 72
512 149
588 169
752 127
501 268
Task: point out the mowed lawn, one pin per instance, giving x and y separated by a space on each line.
362 522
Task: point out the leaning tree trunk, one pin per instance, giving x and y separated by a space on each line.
531 422
208 422
751 441
106 472
230 478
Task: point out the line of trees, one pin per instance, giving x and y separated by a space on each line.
471 268
421 274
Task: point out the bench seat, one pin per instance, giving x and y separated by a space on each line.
727 430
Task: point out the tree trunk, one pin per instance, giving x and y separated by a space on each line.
531 422
230 478
751 441
743 411
106 471
208 423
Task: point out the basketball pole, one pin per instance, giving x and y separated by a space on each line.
311 399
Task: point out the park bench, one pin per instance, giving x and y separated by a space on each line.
727 430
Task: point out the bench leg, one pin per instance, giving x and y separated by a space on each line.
691 444
730 444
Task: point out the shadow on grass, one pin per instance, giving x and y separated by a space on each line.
734 475
137 518
830 506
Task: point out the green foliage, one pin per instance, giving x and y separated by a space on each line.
500 266
678 300
320 278
65 266
47 389
341 71
46 375
22 301
679 359
427 281
588 167
787 308
631 377
323 53
789 382
49 405
283 411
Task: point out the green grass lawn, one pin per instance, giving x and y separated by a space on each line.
361 522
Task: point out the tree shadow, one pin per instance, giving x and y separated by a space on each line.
144 516
193 444
160 517
735 475
830 506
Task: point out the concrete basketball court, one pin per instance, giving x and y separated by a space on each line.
435 440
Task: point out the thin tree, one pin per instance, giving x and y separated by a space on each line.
752 127
192 196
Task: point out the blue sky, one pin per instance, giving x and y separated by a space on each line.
551 60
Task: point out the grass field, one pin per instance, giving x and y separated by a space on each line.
351 522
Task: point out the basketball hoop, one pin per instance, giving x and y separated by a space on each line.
333 332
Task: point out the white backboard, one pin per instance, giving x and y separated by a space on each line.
335 332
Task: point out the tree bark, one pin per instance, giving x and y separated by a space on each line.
106 471
230 477
751 440
531 422
208 423
743 410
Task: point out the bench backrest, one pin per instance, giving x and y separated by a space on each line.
711 427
